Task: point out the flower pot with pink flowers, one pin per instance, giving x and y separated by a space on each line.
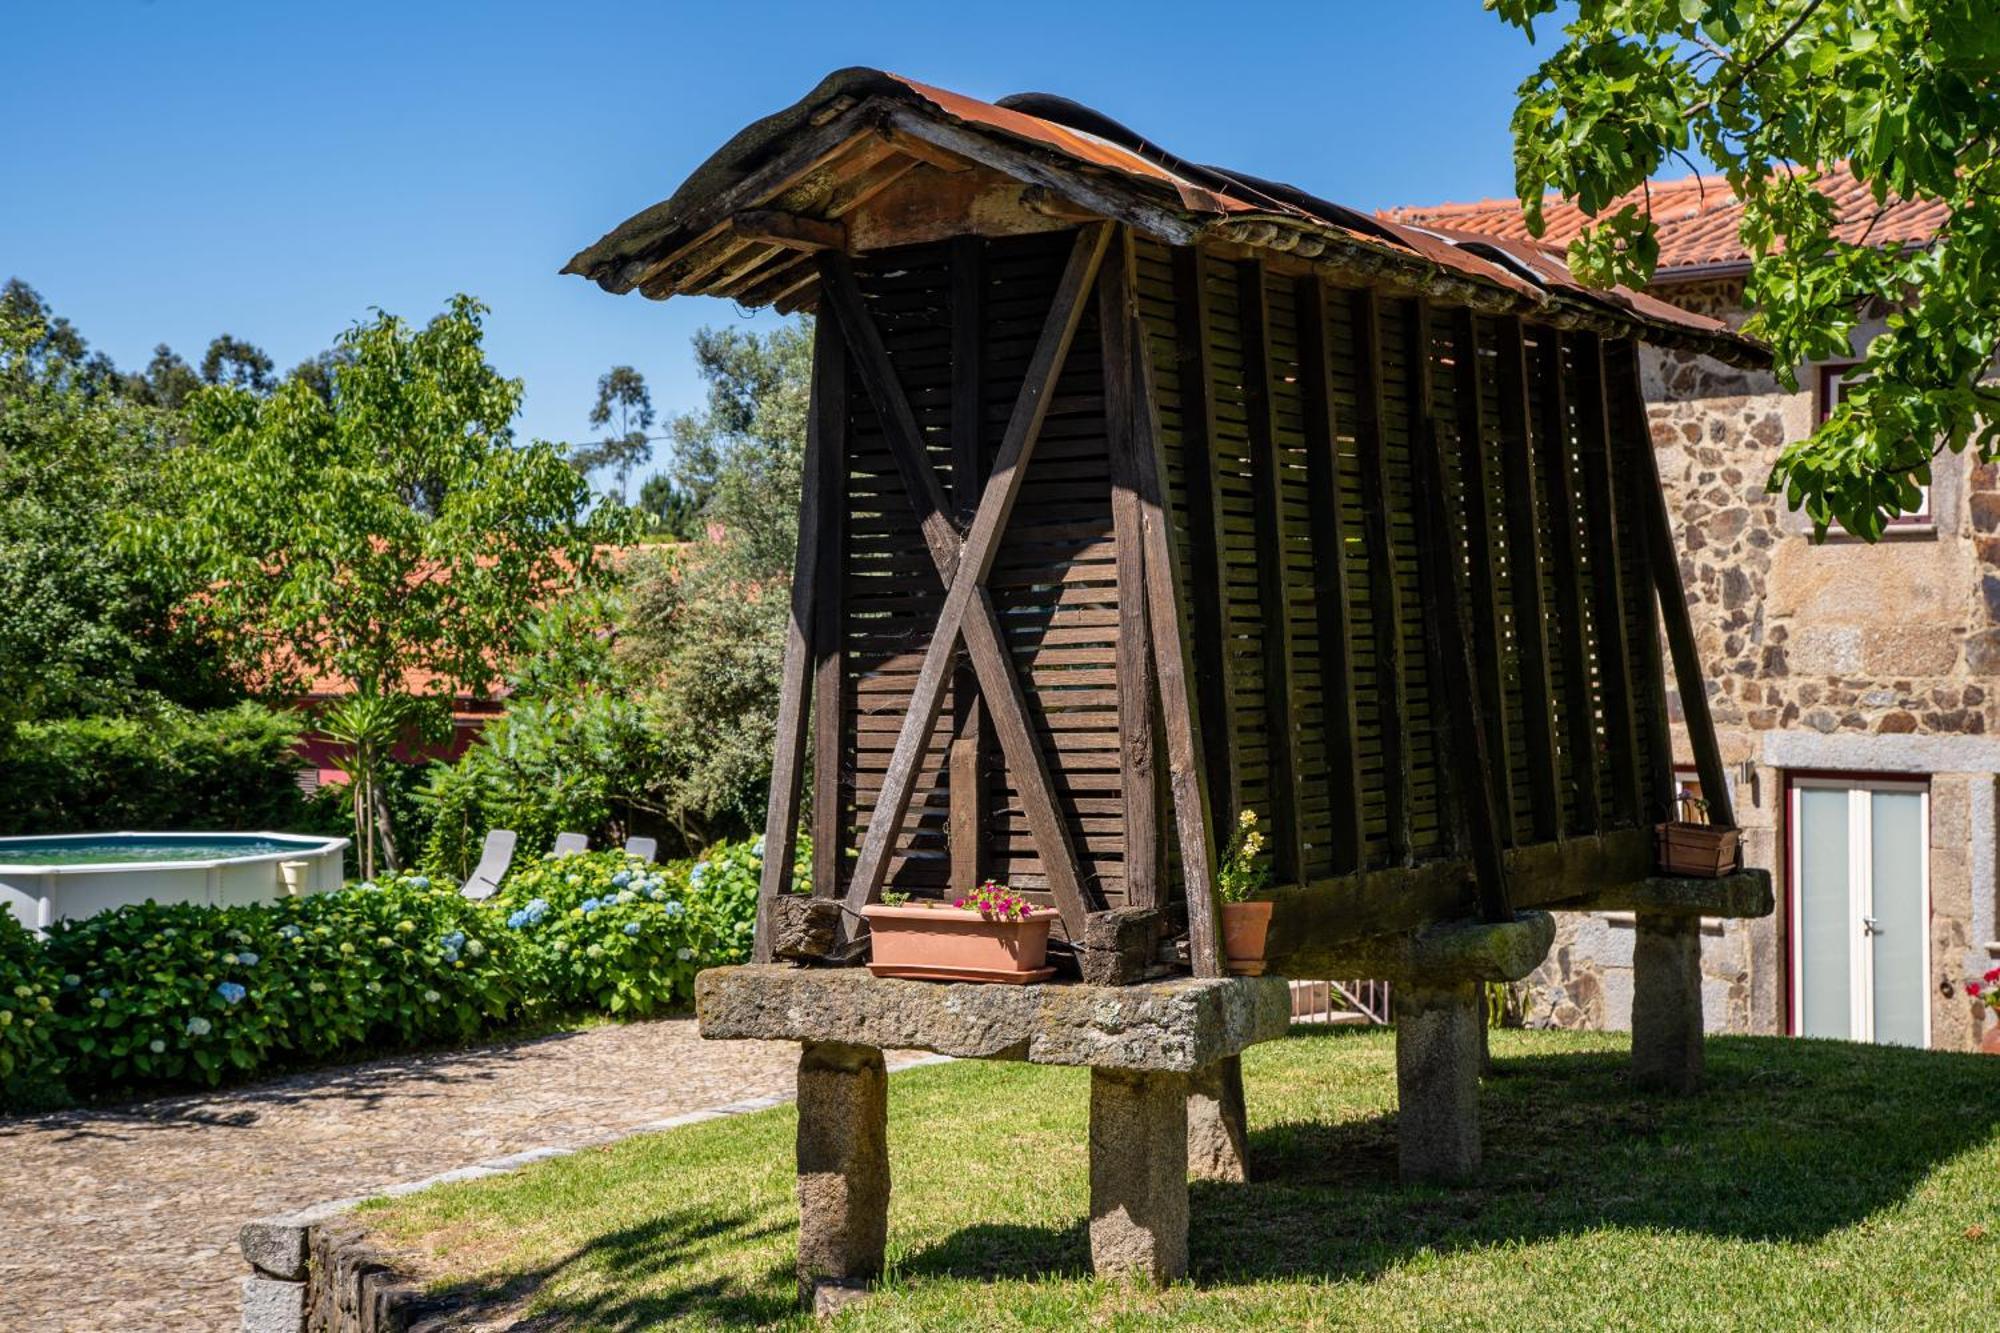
1246 925
1987 991
991 934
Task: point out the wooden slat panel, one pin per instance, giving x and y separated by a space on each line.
1552 454
1385 595
1615 673
1331 597
1280 702
1488 636
1524 545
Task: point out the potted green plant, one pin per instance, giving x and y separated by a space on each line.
1246 925
990 934
1690 845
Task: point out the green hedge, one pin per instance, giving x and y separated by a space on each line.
234 768
152 995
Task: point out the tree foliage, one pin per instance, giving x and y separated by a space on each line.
625 406
391 535
1774 93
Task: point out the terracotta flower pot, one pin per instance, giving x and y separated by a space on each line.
1700 851
945 943
1990 1043
1244 928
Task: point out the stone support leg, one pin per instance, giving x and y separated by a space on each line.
1218 1145
1666 1003
1138 1174
1438 1048
843 1153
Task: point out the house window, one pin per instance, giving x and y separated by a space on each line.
1832 378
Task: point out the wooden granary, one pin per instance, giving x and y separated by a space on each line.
1139 494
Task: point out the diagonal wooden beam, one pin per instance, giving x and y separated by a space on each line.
968 613
1173 667
1117 329
781 816
1329 536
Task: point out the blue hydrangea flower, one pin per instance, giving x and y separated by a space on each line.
431 997
684 953
517 918
420 881
368 886
71 981
289 932
757 848
632 928
698 874
474 949
625 896
231 992
198 1026
156 1046
621 879
247 959
657 894
673 907
590 905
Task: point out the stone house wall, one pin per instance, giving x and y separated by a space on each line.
1830 657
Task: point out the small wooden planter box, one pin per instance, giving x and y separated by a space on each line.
1700 851
943 943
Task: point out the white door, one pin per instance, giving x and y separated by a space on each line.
1860 910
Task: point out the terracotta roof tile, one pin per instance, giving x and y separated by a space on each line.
1697 218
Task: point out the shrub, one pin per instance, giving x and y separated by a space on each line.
234 768
616 934
30 1068
164 994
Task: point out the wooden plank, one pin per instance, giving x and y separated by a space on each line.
1488 639
1385 597
781 812
969 859
1281 704
968 592
788 231
1117 326
899 423
1174 666
926 152
1689 679
1214 672
1455 669
1552 455
1524 560
1328 533
1631 436
829 408
1614 657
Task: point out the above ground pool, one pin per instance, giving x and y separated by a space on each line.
72 875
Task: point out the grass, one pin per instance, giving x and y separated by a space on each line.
1814 1185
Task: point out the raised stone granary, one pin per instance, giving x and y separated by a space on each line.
1139 495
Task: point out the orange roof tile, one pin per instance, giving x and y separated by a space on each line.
1697 217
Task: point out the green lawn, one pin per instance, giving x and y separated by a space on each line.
1814 1185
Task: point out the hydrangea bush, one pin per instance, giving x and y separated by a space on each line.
155 994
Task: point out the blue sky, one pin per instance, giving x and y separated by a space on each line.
169 171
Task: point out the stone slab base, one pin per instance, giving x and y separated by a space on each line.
1175 1026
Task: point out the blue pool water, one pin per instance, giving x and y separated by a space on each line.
122 849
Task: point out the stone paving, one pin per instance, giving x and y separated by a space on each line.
125 1218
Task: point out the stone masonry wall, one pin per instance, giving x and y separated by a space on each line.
1841 639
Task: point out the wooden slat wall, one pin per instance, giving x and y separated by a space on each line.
1279 398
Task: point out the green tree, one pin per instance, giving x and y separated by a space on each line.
624 405
1907 94
84 625
668 508
230 360
394 536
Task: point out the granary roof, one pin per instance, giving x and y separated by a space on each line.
743 225
1696 216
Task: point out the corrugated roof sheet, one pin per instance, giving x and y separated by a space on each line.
653 248
1697 218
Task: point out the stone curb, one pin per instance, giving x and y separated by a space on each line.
280 1250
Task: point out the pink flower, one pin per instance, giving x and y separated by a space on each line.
1993 974
1972 989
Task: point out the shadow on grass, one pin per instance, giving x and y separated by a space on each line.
630 1261
1790 1140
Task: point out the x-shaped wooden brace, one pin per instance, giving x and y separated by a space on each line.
963 565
